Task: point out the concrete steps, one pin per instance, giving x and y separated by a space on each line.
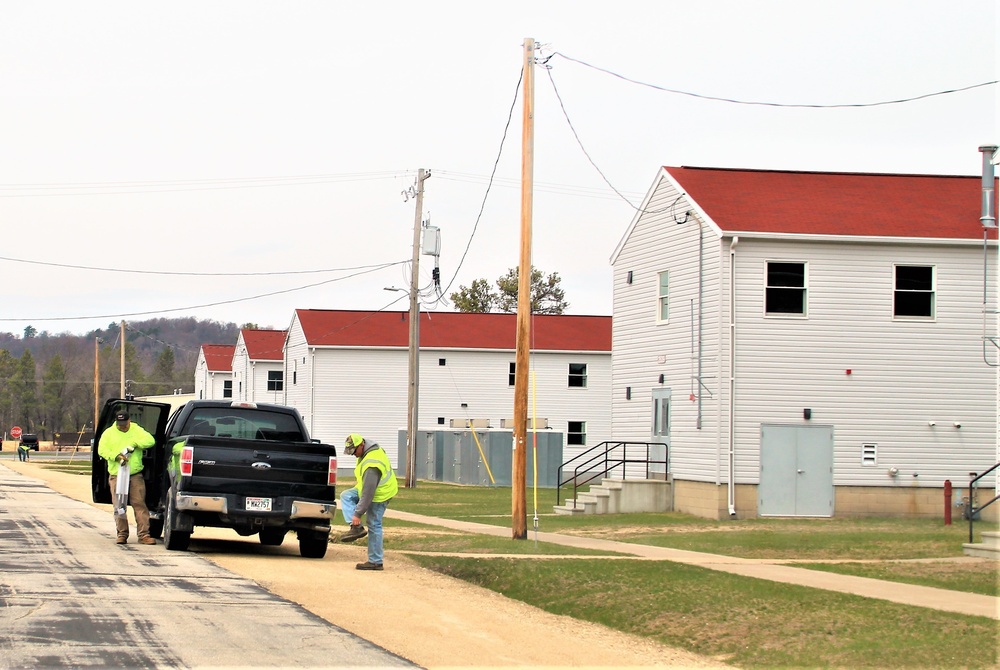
988 548
616 496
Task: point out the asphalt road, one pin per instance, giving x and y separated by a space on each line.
71 598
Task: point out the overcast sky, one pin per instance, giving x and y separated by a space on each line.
253 137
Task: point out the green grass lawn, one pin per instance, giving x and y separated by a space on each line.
746 622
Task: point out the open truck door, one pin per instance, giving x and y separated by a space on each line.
153 417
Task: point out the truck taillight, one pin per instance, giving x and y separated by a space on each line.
187 459
331 472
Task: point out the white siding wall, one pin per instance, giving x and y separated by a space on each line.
218 385
644 348
365 391
241 372
903 373
298 378
202 378
259 391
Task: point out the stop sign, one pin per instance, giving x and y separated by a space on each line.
15 432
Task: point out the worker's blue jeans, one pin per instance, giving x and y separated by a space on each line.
373 521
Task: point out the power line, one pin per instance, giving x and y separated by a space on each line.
180 185
735 101
489 186
194 274
210 304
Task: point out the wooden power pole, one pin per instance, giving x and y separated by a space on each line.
413 388
519 529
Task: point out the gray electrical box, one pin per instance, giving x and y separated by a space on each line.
482 457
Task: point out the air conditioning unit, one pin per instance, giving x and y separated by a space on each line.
541 423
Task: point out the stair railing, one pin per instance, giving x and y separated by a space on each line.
971 509
603 458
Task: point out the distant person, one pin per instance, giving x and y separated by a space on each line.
375 487
22 451
122 446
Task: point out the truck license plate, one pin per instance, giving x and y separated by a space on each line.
258 504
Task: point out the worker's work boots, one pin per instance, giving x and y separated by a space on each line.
354 533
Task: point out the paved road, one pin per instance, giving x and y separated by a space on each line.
71 598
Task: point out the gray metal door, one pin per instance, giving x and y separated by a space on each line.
796 471
661 428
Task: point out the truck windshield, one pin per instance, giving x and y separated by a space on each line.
243 423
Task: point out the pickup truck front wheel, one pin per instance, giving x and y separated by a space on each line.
313 544
174 540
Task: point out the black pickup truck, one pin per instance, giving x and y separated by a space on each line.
246 466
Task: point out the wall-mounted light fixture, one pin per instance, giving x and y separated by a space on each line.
661 378
628 392
807 414
628 277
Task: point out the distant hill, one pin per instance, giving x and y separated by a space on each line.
51 389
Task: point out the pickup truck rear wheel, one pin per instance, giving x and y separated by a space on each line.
272 537
175 540
313 544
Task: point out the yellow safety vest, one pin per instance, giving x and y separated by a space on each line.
375 457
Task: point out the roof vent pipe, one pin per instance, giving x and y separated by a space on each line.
989 218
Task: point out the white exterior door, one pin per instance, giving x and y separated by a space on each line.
660 430
796 471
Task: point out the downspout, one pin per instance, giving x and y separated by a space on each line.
312 391
732 376
701 287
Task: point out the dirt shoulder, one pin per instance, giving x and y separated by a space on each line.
427 618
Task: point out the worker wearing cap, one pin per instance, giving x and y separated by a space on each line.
122 446
376 486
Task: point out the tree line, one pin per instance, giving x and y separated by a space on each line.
47 382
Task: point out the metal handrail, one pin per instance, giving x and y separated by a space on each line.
972 509
601 462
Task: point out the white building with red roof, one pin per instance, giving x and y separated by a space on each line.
808 344
213 377
258 366
346 372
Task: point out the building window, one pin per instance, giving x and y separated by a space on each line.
440 420
510 374
786 288
663 297
578 375
914 292
295 377
275 380
227 388
576 432
441 361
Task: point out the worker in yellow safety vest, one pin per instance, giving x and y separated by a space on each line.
375 486
121 446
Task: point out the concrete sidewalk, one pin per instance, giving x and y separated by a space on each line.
960 602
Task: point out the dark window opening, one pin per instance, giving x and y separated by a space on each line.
786 288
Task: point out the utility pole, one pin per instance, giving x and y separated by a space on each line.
519 529
97 383
122 338
413 390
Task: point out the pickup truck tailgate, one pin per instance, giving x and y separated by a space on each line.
275 468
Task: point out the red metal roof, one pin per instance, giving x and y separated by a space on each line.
264 345
453 330
834 203
219 357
